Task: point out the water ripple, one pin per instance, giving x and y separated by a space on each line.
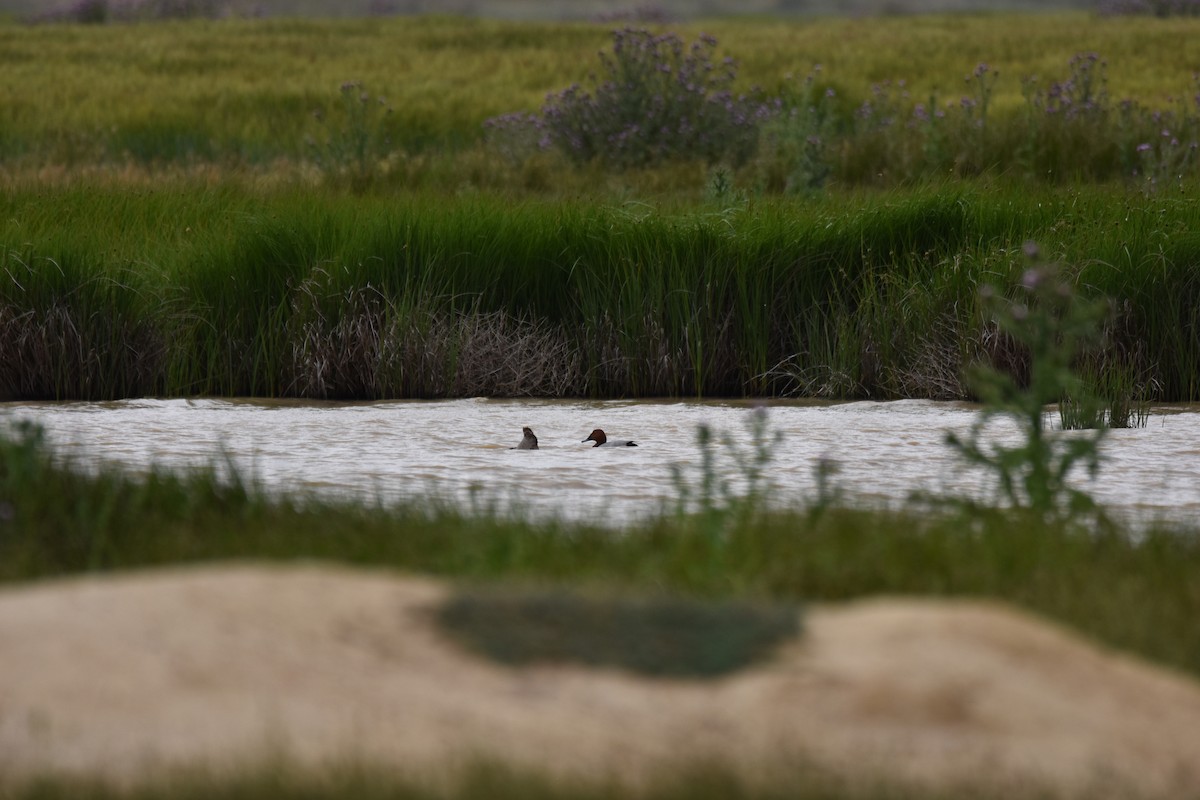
460 450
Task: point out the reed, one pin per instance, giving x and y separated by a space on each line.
191 290
69 331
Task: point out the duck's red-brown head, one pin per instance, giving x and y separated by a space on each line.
596 436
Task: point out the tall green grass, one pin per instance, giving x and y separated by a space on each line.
186 290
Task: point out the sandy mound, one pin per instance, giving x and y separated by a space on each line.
121 676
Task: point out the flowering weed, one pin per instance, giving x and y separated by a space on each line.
797 146
655 100
355 140
100 11
1157 8
1054 325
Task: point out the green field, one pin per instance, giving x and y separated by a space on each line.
242 92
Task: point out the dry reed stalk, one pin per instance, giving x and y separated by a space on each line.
935 370
792 377
375 349
54 353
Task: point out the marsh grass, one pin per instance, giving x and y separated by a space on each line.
1113 398
69 330
223 290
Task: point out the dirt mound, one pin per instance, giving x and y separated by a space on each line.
123 676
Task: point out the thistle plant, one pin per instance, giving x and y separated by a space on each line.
1164 162
877 148
981 83
829 491
1068 125
1168 155
655 100
930 121
713 498
798 140
1084 93
355 139
100 11
1158 8
1053 323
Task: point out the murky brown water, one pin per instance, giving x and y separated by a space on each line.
460 450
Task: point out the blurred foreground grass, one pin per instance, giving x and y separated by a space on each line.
1135 591
489 781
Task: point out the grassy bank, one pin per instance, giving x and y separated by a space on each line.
189 289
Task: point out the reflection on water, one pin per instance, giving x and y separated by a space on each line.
461 450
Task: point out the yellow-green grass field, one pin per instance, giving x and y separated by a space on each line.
245 90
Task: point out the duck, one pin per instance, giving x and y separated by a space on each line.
601 440
529 442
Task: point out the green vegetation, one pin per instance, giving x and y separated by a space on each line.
659 636
1054 326
201 240
108 291
317 209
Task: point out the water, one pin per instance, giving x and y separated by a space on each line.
460 450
